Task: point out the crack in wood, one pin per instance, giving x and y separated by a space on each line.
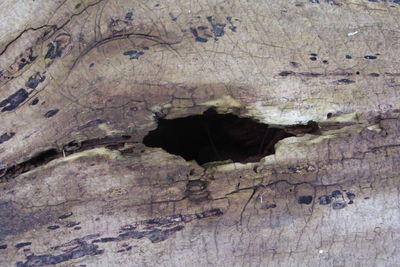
44 157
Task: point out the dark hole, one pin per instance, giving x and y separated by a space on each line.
305 200
42 157
329 115
215 137
25 166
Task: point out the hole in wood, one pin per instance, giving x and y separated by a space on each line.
215 137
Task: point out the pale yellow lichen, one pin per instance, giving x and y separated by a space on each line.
224 102
375 128
108 130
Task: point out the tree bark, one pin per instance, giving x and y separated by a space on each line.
82 83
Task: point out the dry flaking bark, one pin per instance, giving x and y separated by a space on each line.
82 82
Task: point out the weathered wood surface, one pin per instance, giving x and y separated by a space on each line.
97 73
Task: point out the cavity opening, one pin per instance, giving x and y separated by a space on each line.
215 137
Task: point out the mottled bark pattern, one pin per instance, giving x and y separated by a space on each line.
82 82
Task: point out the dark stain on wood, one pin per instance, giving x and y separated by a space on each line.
338 204
23 244
217 28
34 101
51 113
35 80
345 81
14 100
305 200
6 136
133 54
56 48
81 250
197 37
325 199
66 215
159 229
72 224
286 73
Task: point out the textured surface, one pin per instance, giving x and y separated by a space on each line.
81 83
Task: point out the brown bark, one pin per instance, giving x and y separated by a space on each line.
82 82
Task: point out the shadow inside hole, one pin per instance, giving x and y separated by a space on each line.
215 137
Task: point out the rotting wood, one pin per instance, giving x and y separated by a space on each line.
86 81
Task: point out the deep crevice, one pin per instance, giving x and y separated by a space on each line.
215 137
44 157
40 159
